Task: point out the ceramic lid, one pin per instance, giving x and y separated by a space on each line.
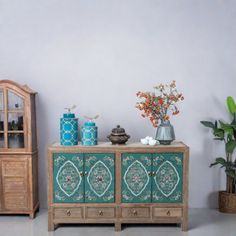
118 131
89 123
68 115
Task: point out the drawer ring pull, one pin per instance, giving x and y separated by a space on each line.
68 212
135 213
100 213
168 213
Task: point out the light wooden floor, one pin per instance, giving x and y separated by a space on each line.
203 222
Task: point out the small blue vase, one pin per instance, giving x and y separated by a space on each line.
89 134
165 133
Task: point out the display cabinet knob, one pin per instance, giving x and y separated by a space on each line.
81 174
85 173
68 212
168 213
100 213
153 173
150 173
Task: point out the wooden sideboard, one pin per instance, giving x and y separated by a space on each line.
107 183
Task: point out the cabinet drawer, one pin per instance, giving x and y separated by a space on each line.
15 202
135 212
14 184
68 213
100 212
167 212
14 168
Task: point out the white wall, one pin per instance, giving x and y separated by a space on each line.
98 54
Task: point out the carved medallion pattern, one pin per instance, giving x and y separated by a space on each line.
136 178
167 178
99 178
68 178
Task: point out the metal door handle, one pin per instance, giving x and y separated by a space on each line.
68 212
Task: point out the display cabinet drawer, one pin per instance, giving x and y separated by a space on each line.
14 168
167 212
100 212
14 184
15 202
135 212
62 213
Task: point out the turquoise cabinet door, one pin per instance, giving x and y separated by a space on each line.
67 177
136 180
99 177
167 177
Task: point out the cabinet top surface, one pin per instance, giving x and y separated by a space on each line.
129 146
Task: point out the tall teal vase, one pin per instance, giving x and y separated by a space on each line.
69 130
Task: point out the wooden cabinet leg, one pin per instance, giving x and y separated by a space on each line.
117 226
32 215
51 226
184 224
184 227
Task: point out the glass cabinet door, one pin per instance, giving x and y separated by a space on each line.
2 116
12 130
15 120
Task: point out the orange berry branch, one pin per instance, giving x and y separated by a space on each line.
160 104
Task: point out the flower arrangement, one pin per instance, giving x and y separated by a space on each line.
160 104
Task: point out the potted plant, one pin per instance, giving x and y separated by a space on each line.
226 132
158 106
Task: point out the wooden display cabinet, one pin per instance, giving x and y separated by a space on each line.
18 150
